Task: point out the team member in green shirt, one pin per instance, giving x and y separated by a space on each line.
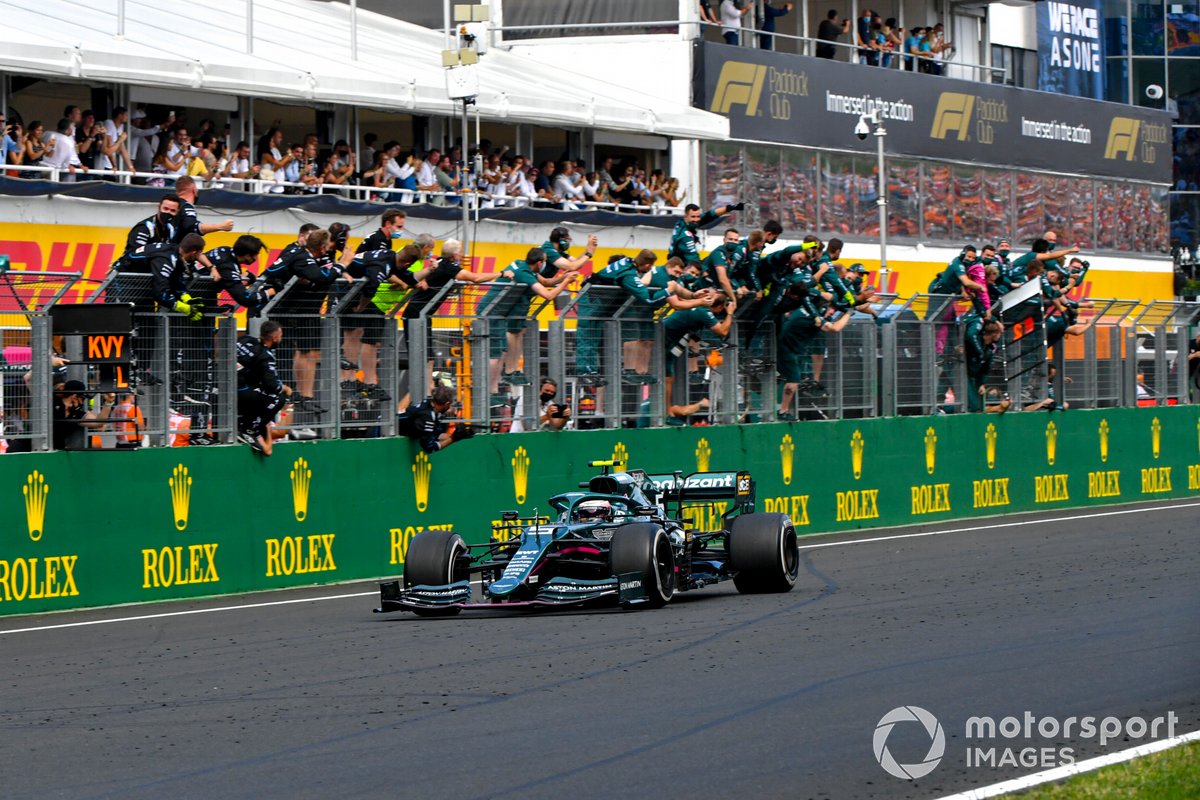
714 316
558 256
506 307
595 306
637 329
685 239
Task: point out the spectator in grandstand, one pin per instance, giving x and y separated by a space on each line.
32 149
828 31
425 422
115 152
261 395
368 151
340 167
310 169
186 219
427 172
566 188
89 139
143 140
181 151
912 49
165 164
685 240
240 165
60 151
291 171
447 178
769 14
554 415
868 51
732 12
543 184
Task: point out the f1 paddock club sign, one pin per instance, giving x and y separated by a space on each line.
815 102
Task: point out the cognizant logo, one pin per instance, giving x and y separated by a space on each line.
739 84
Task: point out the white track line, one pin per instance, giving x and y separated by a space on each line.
1059 773
802 547
998 525
186 613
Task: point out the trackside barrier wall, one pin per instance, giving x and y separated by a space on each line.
106 527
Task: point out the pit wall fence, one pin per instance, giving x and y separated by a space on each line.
85 529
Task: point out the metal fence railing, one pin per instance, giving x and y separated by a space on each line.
353 365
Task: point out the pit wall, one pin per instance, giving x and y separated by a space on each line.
102 528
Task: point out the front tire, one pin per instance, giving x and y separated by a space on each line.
764 553
645 548
433 560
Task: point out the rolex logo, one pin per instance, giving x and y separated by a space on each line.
520 465
787 453
421 469
703 453
930 450
856 453
1155 437
301 481
620 457
1104 440
181 495
1051 442
35 490
990 437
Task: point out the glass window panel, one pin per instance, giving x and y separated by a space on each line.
1083 213
968 204
904 198
1185 216
997 204
1183 31
760 186
1116 80
1031 218
1116 28
723 167
837 193
1149 29
799 212
1186 147
1057 205
1160 228
938 194
1184 89
866 189
1147 73
1108 212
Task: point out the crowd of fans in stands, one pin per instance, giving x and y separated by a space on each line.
166 150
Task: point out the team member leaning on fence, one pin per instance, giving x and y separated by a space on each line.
506 305
685 239
715 316
229 273
801 319
261 394
426 422
638 331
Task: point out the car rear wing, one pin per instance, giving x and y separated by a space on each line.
707 486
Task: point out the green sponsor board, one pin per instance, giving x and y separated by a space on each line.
101 528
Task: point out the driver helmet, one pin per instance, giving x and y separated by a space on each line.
593 511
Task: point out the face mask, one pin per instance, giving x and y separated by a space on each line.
397 235
1003 253
547 397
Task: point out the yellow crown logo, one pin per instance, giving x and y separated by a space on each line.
621 456
1104 440
787 452
930 450
520 465
181 495
856 453
990 437
1155 437
301 481
35 490
421 470
703 453
1051 442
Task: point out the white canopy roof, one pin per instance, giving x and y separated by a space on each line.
301 52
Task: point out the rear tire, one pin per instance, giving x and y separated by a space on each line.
645 548
432 560
764 553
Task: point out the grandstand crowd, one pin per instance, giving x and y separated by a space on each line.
158 153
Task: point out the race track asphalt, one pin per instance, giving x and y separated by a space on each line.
717 695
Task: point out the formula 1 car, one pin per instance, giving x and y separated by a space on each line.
629 538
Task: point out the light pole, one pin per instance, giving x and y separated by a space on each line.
862 130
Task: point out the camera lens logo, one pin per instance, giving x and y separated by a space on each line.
937 746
